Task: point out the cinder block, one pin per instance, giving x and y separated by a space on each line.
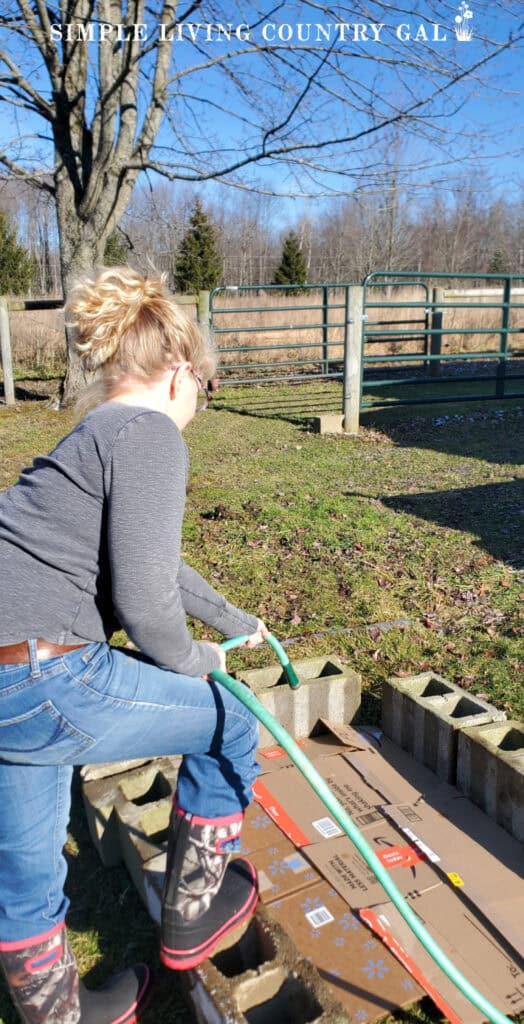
328 424
260 979
143 785
153 884
425 713
328 690
90 772
143 832
490 771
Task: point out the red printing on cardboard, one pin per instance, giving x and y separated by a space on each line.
399 857
272 752
394 947
277 813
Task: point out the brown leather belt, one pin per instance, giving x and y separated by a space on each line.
14 654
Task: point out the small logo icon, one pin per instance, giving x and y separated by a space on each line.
463 26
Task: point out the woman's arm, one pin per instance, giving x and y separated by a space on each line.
204 603
146 497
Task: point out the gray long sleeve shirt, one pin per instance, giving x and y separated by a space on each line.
90 542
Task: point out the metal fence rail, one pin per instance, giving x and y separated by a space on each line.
321 364
433 332
342 349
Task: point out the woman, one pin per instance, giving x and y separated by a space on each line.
89 543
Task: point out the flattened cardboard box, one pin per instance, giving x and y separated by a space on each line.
258 830
281 870
364 976
310 820
491 872
491 966
336 739
470 850
340 863
388 769
467 848
466 853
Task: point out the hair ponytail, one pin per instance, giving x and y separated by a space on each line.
127 325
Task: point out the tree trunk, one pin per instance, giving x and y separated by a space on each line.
81 251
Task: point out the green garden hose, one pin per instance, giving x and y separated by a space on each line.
341 816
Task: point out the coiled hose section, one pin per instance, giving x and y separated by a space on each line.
346 823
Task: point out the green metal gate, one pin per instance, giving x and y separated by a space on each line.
422 369
317 350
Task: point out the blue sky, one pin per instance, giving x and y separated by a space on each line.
481 119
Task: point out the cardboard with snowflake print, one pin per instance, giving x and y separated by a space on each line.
282 869
258 830
362 973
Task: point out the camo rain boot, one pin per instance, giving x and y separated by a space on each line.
205 897
43 981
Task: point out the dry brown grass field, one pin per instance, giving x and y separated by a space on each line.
295 319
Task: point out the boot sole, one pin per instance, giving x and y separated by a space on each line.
183 960
143 999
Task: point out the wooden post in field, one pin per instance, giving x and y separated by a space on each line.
353 357
5 348
203 308
435 347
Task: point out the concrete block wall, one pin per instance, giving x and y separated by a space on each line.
261 979
127 792
425 714
490 772
328 689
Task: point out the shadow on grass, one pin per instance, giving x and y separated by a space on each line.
495 512
24 394
299 408
491 432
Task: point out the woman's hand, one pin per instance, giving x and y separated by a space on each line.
222 654
259 636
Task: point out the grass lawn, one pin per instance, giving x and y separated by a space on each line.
399 550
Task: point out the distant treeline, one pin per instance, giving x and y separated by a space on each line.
458 231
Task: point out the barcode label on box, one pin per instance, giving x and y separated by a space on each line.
410 813
326 827
369 818
319 916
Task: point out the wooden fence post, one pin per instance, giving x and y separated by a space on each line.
353 357
5 348
203 308
435 347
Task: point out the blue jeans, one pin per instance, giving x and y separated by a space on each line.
99 703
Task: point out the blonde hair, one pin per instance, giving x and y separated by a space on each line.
127 325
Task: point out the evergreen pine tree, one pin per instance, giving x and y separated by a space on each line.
292 269
115 252
499 263
198 265
17 266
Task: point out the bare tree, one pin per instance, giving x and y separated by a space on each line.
99 113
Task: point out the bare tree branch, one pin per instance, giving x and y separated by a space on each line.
31 177
43 42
